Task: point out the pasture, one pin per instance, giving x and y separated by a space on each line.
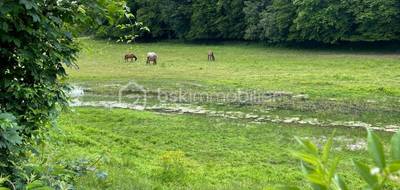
320 73
202 94
145 150
197 150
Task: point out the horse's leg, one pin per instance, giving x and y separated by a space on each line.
155 61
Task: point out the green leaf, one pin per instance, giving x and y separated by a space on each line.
35 17
332 169
308 146
7 116
339 183
365 173
395 146
81 9
28 4
4 27
37 185
12 136
308 158
394 166
288 188
306 169
317 179
327 148
318 187
375 148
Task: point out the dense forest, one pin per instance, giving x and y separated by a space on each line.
276 21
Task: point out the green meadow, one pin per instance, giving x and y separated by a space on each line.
240 95
343 74
144 150
132 149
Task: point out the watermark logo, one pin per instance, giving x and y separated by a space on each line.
134 93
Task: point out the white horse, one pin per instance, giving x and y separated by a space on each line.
151 57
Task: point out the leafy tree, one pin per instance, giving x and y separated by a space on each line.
123 27
375 20
36 44
325 21
177 13
322 21
276 21
230 19
203 25
34 48
150 13
252 11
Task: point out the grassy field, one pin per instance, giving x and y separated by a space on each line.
150 150
144 150
319 73
339 84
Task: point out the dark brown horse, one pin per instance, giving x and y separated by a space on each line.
130 57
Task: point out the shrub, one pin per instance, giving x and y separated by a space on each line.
319 167
35 46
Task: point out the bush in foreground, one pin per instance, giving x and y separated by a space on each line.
320 168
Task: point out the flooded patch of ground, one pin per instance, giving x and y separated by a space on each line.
265 115
345 143
76 92
251 117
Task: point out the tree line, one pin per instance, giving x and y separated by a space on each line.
275 21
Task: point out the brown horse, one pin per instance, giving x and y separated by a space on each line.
130 57
211 56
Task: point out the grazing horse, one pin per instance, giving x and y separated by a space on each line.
130 56
211 56
151 57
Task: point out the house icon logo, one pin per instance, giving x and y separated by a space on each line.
133 93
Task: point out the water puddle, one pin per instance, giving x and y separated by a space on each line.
344 143
251 117
76 92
